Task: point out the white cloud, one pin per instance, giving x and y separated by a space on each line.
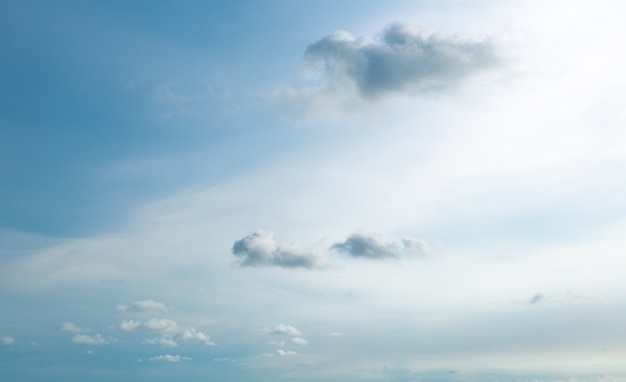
84 339
129 325
299 341
283 353
169 358
260 249
191 334
368 246
68 326
286 329
7 340
161 325
161 341
142 307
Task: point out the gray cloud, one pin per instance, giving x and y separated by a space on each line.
415 247
260 249
401 58
367 245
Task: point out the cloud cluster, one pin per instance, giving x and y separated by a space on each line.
80 338
400 58
285 330
260 249
169 330
141 307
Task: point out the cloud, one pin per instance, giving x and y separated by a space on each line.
299 341
161 341
415 247
260 249
368 246
282 352
142 306
84 339
286 329
129 325
170 329
7 340
68 326
169 358
400 58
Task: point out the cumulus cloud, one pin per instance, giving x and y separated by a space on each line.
7 340
169 358
68 326
260 249
170 331
141 307
84 339
286 329
299 341
368 246
400 58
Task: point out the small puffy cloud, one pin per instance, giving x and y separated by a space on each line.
260 249
335 334
7 340
415 247
299 341
68 326
283 353
224 359
84 339
142 307
368 246
191 334
160 325
286 329
401 58
161 341
129 325
169 358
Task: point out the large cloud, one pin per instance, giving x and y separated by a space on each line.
368 246
401 58
260 249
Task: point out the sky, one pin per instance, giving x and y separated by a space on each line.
312 191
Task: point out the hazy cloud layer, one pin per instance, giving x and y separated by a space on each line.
260 249
368 246
402 57
7 340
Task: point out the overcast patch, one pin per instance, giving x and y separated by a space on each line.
400 58
260 249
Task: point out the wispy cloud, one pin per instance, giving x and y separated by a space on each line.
285 329
7 340
85 339
260 249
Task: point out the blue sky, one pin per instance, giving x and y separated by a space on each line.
332 190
